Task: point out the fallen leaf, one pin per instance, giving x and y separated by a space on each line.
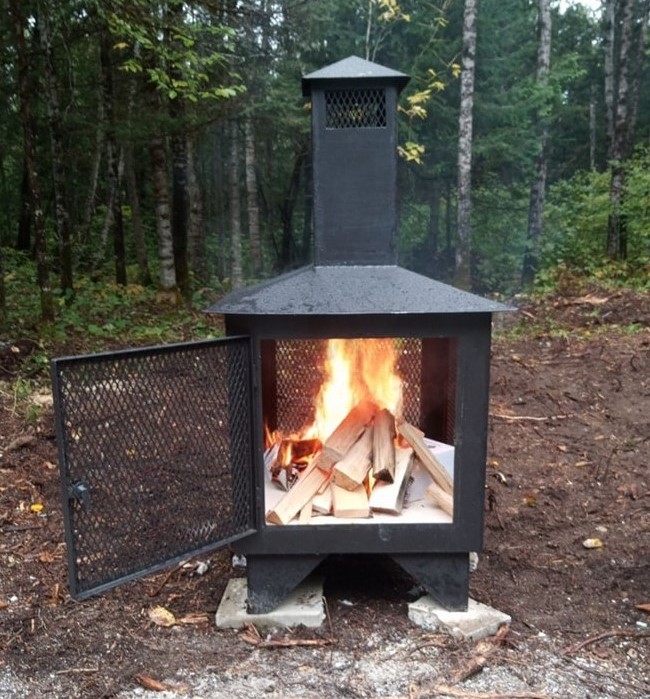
47 557
36 507
644 607
3 604
149 683
562 448
161 616
530 500
594 543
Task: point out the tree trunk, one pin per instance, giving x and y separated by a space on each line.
236 269
196 230
592 128
3 295
112 159
538 188
167 275
29 144
252 202
24 237
136 216
62 216
180 199
308 216
616 225
462 275
609 41
90 203
639 64
288 245
435 194
180 205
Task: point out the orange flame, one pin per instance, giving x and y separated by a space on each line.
356 369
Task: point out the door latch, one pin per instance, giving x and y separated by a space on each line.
80 491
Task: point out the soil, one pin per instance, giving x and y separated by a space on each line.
568 455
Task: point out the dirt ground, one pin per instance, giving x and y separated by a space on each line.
568 456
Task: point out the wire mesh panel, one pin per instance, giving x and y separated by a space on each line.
156 456
355 109
301 373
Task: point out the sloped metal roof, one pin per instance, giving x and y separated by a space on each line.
353 68
353 290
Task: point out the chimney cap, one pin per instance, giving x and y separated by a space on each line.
354 68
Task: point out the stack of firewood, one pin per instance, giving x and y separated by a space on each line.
364 466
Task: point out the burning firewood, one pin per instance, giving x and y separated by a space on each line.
345 435
383 446
436 470
389 497
351 471
298 451
286 458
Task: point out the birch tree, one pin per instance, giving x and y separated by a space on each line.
538 188
252 203
462 275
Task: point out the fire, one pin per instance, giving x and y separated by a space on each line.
356 370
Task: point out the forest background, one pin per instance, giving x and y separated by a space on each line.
155 154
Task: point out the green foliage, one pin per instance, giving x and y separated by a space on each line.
499 221
101 315
182 54
575 229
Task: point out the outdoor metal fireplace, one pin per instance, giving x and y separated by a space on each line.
162 449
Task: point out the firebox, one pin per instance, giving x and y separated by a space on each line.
172 451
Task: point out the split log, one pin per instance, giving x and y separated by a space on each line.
389 497
435 469
350 503
351 471
297 451
383 446
345 435
305 513
302 492
440 499
321 503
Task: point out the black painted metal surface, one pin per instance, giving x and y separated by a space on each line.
155 448
353 290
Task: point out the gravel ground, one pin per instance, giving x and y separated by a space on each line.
415 668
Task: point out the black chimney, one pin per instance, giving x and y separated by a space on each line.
354 151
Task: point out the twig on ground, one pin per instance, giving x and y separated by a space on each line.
76 670
529 418
465 694
569 650
156 591
251 635
480 656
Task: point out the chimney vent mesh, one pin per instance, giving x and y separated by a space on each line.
355 109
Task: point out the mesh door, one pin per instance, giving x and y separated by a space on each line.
156 456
